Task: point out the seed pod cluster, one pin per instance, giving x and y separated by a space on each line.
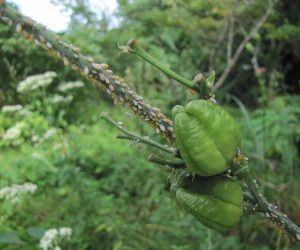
208 138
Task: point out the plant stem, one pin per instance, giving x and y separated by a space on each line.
241 170
158 160
139 51
133 136
97 73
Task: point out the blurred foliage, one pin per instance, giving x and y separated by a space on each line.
104 188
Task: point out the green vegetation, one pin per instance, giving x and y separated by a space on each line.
69 170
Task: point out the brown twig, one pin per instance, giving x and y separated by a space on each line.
236 56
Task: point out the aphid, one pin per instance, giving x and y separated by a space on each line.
36 41
86 70
156 110
152 114
28 36
170 129
107 80
109 72
18 28
115 78
42 39
90 59
162 128
108 91
75 67
66 61
75 49
104 65
5 19
101 87
116 101
111 87
49 45
97 66
28 22
121 99
102 77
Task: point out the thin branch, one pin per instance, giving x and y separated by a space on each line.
98 73
133 47
133 136
176 165
220 40
241 170
242 45
230 37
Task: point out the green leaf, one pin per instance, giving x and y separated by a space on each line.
36 232
10 238
118 245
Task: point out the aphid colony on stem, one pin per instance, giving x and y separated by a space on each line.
98 73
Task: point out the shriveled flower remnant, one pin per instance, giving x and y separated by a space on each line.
53 236
12 192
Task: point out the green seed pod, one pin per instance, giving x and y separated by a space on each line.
206 135
217 202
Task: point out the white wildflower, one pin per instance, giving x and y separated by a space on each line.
37 156
13 132
11 108
70 85
12 192
35 138
52 237
60 99
24 112
49 133
65 232
36 81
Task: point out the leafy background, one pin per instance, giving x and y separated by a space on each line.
104 188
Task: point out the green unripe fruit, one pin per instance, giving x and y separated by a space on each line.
217 202
206 135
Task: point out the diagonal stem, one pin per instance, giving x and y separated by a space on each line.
133 136
98 73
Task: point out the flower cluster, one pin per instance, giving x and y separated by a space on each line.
70 85
60 99
36 81
13 132
12 192
52 237
11 108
